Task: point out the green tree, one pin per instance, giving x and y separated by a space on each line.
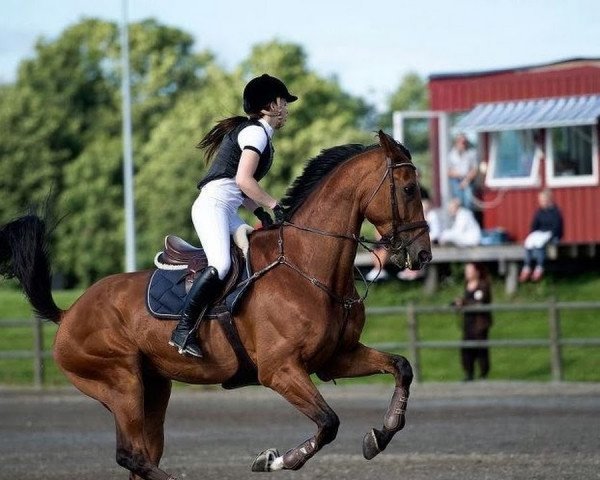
163 67
47 116
411 94
63 118
90 244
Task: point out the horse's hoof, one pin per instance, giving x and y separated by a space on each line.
264 461
371 445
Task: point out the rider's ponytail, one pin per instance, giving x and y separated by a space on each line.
213 139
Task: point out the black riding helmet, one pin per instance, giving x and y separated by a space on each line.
261 91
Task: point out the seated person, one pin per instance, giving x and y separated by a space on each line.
546 227
464 231
434 220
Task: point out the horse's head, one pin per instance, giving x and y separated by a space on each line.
394 207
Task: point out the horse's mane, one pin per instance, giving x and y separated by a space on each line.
315 170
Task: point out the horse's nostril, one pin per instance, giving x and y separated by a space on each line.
424 256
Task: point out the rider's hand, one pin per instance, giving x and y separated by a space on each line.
264 217
278 212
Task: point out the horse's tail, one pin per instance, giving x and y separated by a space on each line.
24 256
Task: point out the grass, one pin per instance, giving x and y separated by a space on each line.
14 306
524 364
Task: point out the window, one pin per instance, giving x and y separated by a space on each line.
572 158
514 159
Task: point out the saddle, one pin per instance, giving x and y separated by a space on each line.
177 267
180 255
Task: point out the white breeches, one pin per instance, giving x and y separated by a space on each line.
214 221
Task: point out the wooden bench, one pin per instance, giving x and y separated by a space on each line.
508 256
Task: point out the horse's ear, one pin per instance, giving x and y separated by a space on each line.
390 147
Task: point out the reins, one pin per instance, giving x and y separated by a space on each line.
388 240
281 259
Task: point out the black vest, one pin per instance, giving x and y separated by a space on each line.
226 160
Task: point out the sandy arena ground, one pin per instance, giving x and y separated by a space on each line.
484 431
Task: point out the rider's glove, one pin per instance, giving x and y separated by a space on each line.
278 212
264 217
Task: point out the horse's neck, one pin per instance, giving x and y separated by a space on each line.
334 207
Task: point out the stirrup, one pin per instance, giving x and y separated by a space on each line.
187 349
184 347
191 350
183 342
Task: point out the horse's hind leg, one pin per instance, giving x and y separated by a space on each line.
157 391
363 361
293 383
121 391
132 452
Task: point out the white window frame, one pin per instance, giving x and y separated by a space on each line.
573 180
399 117
533 180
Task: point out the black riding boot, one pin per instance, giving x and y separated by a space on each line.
203 292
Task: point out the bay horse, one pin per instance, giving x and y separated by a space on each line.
303 316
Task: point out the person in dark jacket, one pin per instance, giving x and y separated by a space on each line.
240 153
475 325
546 227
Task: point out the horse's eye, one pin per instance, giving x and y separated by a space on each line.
409 190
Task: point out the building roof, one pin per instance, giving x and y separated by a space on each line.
482 73
528 114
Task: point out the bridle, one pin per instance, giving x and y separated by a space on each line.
391 240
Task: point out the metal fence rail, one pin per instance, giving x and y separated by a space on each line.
414 345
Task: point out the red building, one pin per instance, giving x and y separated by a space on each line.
535 127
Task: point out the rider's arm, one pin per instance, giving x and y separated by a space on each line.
250 204
246 181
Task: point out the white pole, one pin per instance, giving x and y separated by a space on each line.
398 126
444 143
130 263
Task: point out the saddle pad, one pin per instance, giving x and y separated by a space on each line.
164 299
166 293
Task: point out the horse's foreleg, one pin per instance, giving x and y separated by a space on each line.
363 361
294 384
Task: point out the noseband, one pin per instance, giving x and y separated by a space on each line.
393 239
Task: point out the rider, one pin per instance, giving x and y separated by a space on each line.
243 154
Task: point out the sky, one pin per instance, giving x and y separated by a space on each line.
367 45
